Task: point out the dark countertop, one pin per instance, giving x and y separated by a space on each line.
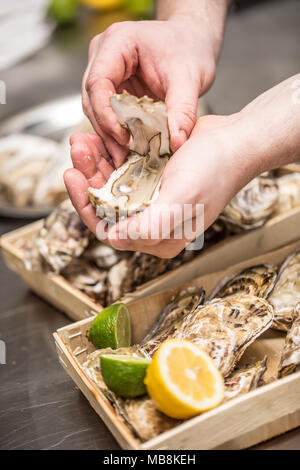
40 407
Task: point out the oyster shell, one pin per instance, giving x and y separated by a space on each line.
136 183
62 239
139 268
182 317
289 192
140 414
286 293
244 380
252 206
290 358
88 278
23 158
224 328
104 256
165 327
258 280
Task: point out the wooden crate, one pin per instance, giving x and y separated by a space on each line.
251 418
277 232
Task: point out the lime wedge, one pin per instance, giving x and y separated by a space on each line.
111 328
124 375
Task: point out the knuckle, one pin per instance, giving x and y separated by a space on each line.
188 115
90 82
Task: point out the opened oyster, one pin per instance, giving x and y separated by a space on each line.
290 359
62 238
252 206
136 183
258 280
289 192
244 380
286 293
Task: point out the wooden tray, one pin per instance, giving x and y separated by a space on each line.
257 416
277 232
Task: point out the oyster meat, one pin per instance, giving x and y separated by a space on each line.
290 358
286 293
224 328
135 184
62 238
244 380
289 192
252 206
258 280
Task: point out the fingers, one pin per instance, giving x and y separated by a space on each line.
181 100
77 186
87 156
113 59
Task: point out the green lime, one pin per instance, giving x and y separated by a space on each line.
124 375
111 328
63 11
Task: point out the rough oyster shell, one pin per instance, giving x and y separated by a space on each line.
140 414
88 278
286 293
165 327
178 318
224 328
23 158
136 183
62 239
244 380
252 206
104 256
139 268
290 358
258 280
289 192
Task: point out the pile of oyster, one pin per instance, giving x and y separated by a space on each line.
32 167
239 311
65 246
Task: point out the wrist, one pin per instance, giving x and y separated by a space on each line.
202 19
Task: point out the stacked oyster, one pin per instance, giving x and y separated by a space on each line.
65 246
239 311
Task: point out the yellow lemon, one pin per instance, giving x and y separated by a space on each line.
183 380
103 4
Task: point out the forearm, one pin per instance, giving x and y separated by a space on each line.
211 12
270 128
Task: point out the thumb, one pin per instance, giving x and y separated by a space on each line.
181 101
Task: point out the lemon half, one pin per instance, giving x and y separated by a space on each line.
183 380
